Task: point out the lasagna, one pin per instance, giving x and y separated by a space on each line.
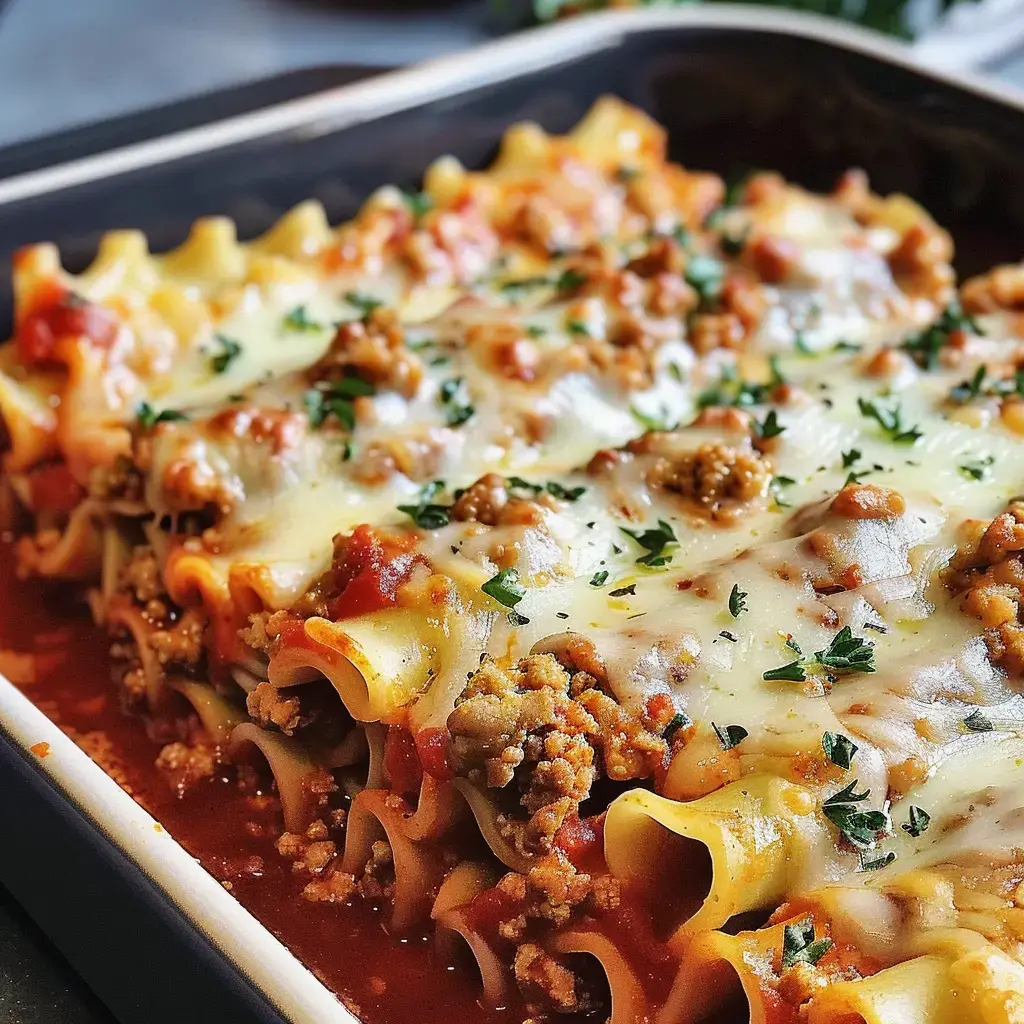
611 578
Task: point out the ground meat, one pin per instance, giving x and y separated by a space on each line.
267 706
374 350
263 629
182 642
868 501
772 257
987 572
1002 288
183 766
141 576
378 879
542 979
550 730
120 481
488 501
334 887
418 456
719 482
277 429
920 262
708 331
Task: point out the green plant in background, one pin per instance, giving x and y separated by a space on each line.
891 16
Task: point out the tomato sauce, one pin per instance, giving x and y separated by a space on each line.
385 979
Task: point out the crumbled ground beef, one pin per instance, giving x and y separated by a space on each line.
374 350
488 501
718 482
543 979
122 480
545 730
1002 288
183 765
268 706
987 572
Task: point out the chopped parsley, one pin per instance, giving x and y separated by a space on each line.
730 735
799 945
839 749
148 417
679 721
570 494
427 515
850 457
623 591
770 427
737 601
925 346
733 390
792 672
917 821
726 635
845 653
452 396
505 588
336 399
655 542
976 469
535 331
704 274
777 487
648 421
230 350
599 579
968 389
578 327
978 722
848 653
569 280
890 420
877 862
419 204
860 828
626 174
298 320
366 304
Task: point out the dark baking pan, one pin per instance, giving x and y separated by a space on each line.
736 88
168 118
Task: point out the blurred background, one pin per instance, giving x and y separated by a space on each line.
66 63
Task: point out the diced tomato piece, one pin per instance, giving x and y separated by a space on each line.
432 747
369 573
53 488
402 762
582 840
56 313
490 908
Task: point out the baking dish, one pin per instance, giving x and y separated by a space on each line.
837 97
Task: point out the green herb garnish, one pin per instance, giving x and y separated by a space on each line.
737 601
230 350
839 749
730 735
890 420
925 346
977 469
298 320
917 822
860 828
457 408
654 541
799 945
978 722
148 417
366 304
505 588
428 515
599 579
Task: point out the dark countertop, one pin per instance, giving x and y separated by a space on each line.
37 985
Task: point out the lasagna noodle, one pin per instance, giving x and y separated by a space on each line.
735 850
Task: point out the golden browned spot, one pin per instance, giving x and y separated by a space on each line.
868 501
